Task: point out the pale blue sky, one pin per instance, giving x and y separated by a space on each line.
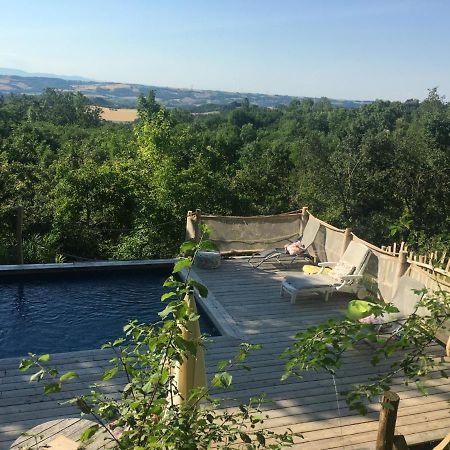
354 49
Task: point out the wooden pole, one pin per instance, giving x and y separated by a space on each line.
190 226
19 238
347 239
304 220
386 423
400 442
402 267
198 223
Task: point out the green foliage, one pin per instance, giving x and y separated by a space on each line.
400 353
146 415
99 190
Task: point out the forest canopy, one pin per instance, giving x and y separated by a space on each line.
98 190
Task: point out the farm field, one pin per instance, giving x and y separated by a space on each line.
119 115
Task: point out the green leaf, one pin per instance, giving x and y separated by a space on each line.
170 308
245 437
186 247
164 297
208 245
118 341
206 231
222 364
37 376
25 364
222 379
68 376
89 432
202 290
181 264
170 282
44 358
110 373
148 386
52 387
164 376
260 437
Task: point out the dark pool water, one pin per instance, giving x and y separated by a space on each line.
68 312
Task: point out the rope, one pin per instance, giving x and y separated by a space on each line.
338 405
261 241
78 257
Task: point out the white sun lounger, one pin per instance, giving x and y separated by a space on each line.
344 276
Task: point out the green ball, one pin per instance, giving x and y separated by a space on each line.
358 309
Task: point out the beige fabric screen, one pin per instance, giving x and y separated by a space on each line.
427 279
381 270
235 234
328 243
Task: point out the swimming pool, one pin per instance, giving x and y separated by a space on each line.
62 312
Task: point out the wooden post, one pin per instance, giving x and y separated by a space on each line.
304 219
386 423
400 442
19 239
198 223
402 267
190 226
347 239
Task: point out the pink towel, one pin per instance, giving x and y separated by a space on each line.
294 249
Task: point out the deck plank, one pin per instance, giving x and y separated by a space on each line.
252 302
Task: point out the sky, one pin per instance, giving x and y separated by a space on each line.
343 49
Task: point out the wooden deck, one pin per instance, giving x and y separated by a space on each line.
252 300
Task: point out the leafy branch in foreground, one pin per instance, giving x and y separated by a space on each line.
399 349
151 411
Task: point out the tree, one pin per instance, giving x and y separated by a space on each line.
147 106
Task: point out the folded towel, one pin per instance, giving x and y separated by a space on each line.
296 248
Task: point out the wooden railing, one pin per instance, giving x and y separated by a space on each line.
434 262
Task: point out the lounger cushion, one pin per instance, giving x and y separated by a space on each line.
309 269
341 269
310 282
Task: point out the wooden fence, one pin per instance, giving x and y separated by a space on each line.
437 264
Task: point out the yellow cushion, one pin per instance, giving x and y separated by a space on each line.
310 270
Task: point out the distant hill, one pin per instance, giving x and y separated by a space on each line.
124 95
23 73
